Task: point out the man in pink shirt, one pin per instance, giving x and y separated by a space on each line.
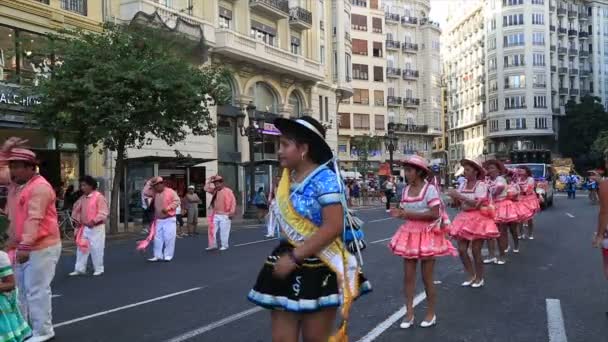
223 204
91 212
165 202
33 235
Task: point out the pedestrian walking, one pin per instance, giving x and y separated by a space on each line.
310 274
571 182
389 191
421 238
475 223
191 202
91 212
223 203
261 203
270 223
593 186
33 235
13 327
164 227
505 211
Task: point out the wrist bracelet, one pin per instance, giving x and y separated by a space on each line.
293 258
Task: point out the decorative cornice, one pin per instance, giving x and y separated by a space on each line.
50 17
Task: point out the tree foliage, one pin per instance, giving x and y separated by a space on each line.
580 128
118 88
364 144
601 143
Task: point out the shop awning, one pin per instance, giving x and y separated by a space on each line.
173 162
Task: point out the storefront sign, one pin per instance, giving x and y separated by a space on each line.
270 129
10 96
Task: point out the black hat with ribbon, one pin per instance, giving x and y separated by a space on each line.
311 131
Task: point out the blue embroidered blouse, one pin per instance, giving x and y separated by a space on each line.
319 189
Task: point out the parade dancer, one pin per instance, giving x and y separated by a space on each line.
529 198
91 212
164 228
223 203
475 223
13 328
311 273
505 212
211 242
600 239
522 212
422 237
33 235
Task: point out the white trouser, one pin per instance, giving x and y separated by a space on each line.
165 236
97 243
34 279
270 229
222 224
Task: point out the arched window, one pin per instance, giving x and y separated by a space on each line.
264 98
296 105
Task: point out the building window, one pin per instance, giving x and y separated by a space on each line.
377 49
344 120
359 3
491 43
225 18
360 72
540 101
320 107
358 22
492 63
361 96
539 81
378 74
77 6
538 59
493 85
322 55
295 46
515 102
538 38
514 60
263 33
379 97
373 4
493 24
515 81
513 20
516 39
8 58
512 2
540 123
296 105
377 25
359 47
538 2
326 108
361 121
379 122
493 125
538 19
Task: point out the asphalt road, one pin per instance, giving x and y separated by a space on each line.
554 290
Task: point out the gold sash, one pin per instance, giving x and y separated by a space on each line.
297 229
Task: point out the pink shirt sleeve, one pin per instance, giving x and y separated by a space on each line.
102 210
40 199
230 202
175 201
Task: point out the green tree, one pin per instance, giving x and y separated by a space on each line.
580 128
365 144
118 88
601 143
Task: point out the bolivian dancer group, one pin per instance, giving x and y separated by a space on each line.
311 276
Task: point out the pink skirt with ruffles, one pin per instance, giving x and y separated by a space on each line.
414 240
506 212
531 202
473 225
523 212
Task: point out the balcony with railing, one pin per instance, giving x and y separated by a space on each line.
410 74
392 44
410 102
584 73
539 85
573 72
409 20
582 15
553 48
572 33
583 54
409 47
391 18
299 18
410 128
583 34
572 13
393 101
76 6
563 91
562 70
562 50
277 9
573 52
553 68
393 72
573 92
562 30
552 28
561 11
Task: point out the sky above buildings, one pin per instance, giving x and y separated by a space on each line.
441 8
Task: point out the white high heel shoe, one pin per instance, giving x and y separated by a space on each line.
468 283
489 261
429 324
478 285
405 324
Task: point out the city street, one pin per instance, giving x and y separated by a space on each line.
554 290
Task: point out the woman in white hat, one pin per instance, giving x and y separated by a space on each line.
421 238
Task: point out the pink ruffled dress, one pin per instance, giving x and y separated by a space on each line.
470 224
529 197
515 195
505 210
417 239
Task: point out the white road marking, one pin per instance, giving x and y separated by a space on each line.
392 319
382 240
555 321
382 219
569 215
102 313
254 242
214 325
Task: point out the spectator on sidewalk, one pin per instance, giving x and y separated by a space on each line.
261 202
399 186
223 203
389 191
191 202
91 212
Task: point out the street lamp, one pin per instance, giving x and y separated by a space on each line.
390 143
253 132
